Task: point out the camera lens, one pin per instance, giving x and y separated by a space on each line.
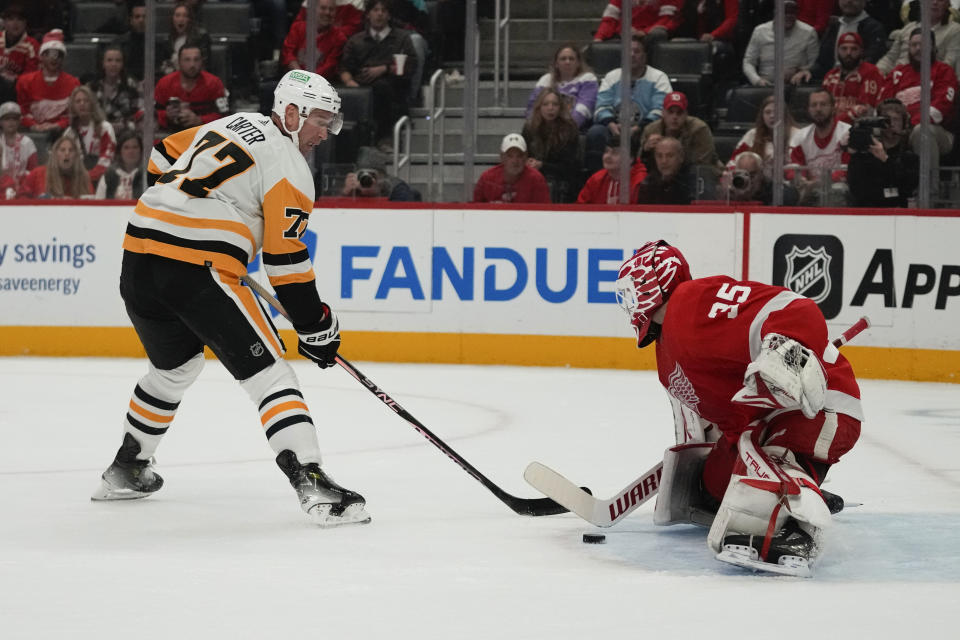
740 181
365 178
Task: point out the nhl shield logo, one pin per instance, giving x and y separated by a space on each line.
808 272
811 265
256 349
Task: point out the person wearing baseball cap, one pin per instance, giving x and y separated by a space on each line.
692 132
512 180
853 18
44 103
18 51
855 83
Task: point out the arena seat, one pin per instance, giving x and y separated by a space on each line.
742 105
725 144
603 57
226 20
683 58
356 103
90 16
82 59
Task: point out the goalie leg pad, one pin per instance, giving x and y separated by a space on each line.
682 499
767 488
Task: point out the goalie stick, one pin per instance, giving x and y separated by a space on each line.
606 513
521 506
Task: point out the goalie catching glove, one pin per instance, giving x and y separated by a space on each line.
319 342
786 375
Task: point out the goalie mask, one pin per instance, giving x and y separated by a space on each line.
306 91
645 282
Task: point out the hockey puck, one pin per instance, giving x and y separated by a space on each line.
594 538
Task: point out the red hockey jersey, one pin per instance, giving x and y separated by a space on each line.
861 87
19 58
43 102
647 14
208 98
713 329
903 83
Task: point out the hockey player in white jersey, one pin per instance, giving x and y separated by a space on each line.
224 191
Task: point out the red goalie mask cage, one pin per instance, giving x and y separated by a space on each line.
645 282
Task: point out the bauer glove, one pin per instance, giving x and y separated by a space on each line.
319 342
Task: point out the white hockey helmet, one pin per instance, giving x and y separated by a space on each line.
307 91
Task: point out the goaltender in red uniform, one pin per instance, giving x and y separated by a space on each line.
763 404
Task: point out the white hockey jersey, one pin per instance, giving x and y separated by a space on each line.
224 191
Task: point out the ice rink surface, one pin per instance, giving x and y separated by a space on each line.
223 550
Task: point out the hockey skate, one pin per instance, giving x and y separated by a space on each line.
324 501
128 478
791 553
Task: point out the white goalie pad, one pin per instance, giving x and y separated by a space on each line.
690 427
773 489
679 500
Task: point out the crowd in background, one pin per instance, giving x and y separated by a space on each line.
859 61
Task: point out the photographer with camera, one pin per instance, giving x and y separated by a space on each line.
883 171
748 182
371 180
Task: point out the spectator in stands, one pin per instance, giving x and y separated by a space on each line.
119 94
709 20
43 94
816 13
191 96
96 137
553 144
369 59
749 181
903 83
45 16
673 181
573 79
855 83
123 180
603 187
62 177
412 16
759 139
330 42
853 19
650 86
371 180
512 181
183 30
19 151
800 48
888 172
132 42
656 20
713 21
692 132
349 16
945 30
821 151
18 51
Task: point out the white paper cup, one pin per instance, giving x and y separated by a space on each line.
399 59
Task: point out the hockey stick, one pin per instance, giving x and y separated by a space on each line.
606 513
522 506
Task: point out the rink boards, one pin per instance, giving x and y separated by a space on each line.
529 286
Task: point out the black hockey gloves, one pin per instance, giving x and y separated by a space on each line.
320 341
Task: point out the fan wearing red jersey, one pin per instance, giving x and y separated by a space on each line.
222 192
764 404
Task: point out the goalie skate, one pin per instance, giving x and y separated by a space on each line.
128 478
326 503
791 552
